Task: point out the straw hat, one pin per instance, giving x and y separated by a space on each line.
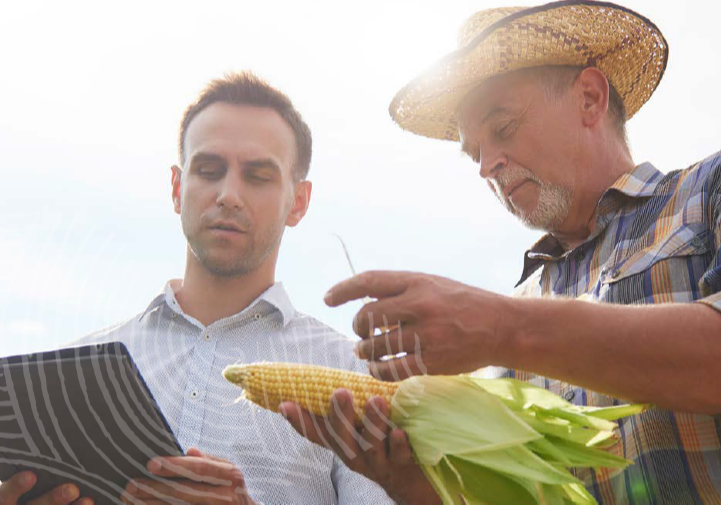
628 48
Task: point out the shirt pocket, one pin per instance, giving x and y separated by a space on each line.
666 270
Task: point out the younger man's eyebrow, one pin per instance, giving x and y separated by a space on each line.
205 156
262 163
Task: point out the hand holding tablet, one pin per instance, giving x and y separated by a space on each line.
81 416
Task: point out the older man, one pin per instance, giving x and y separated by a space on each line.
538 98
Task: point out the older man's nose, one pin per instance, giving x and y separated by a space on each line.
491 166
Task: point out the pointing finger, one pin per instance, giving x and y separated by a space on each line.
375 284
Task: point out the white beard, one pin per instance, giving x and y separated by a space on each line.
554 200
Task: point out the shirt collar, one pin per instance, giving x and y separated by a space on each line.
277 296
641 182
546 249
157 302
274 295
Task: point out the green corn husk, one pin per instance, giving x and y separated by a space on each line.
503 441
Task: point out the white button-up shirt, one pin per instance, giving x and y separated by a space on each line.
181 361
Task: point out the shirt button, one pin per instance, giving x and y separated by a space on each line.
174 315
257 316
194 394
568 395
207 337
696 242
615 274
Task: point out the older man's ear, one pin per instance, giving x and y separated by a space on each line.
592 90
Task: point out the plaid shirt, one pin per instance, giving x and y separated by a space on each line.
658 240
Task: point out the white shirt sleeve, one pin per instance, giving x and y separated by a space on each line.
353 488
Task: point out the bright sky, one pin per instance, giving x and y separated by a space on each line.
90 99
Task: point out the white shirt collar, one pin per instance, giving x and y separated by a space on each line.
274 295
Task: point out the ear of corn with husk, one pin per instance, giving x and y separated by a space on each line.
478 441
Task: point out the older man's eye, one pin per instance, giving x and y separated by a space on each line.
506 130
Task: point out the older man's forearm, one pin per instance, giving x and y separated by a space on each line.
667 355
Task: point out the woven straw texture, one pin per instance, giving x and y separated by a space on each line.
628 48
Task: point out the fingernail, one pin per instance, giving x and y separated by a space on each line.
237 475
70 492
154 465
27 480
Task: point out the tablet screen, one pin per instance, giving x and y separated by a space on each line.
81 415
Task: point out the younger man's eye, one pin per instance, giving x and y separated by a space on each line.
258 176
208 171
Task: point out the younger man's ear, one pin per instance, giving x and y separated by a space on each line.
301 201
175 178
593 90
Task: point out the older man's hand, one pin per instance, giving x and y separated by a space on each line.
197 478
445 327
376 450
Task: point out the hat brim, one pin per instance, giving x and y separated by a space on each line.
627 47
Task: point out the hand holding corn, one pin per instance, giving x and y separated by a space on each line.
374 448
491 441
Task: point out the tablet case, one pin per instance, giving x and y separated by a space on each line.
82 415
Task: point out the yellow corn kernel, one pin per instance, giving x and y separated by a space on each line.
310 386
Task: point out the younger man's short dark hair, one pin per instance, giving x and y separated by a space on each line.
244 88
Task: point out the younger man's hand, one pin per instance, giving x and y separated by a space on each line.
198 479
19 484
376 450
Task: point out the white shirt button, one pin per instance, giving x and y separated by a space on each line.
207 337
257 316
194 394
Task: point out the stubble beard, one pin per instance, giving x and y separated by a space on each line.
256 251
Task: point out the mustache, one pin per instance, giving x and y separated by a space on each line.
239 219
510 175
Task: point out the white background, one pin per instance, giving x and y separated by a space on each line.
91 96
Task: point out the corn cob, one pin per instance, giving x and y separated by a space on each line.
310 386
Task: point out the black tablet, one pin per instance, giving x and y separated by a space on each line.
81 415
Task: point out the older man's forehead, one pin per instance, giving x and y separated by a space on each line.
481 108
504 93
